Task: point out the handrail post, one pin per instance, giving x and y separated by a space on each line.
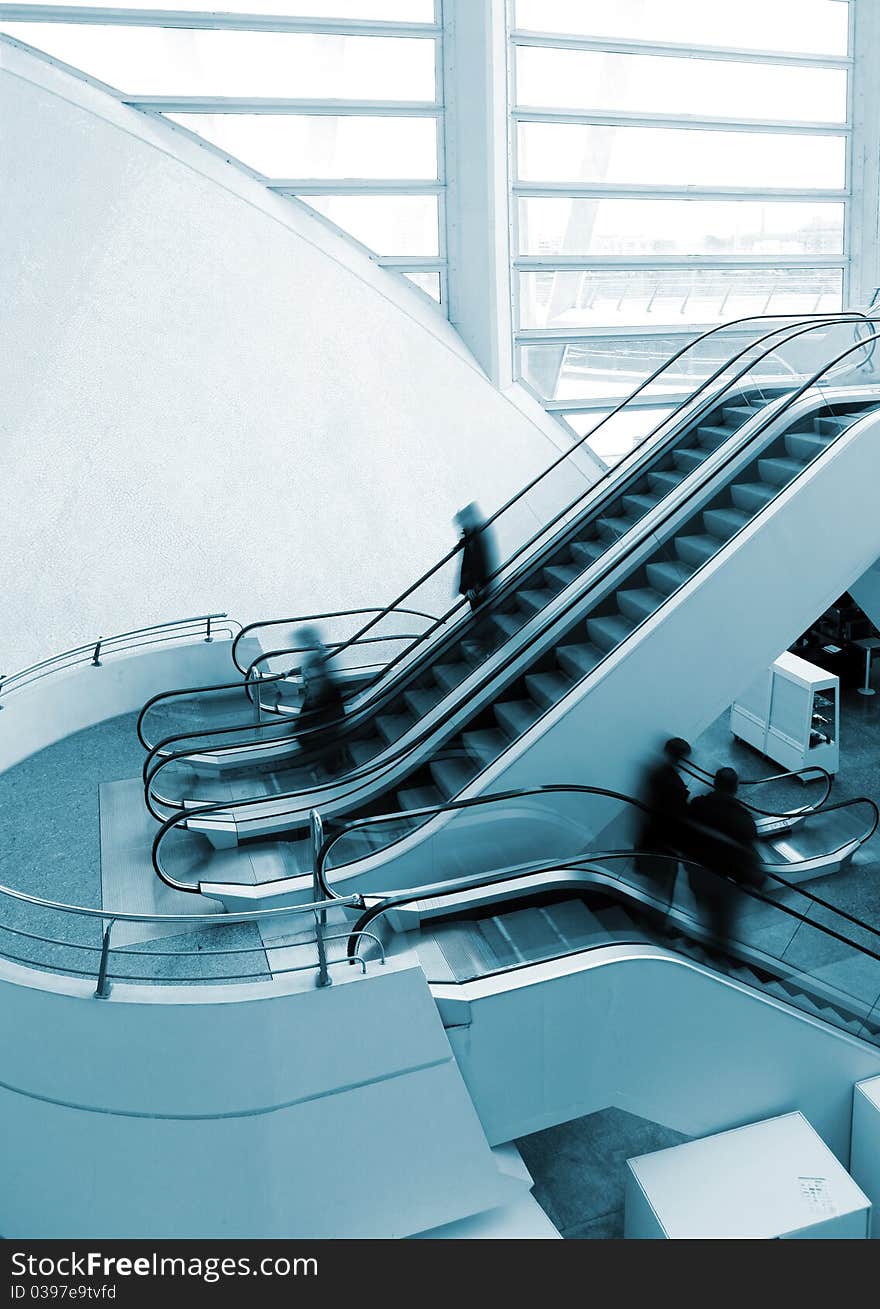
316 832
96 657
102 990
208 637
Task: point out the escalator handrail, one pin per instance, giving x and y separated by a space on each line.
571 788
262 680
854 316
594 863
704 776
849 804
612 492
383 761
315 618
159 748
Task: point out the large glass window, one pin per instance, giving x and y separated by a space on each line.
653 84
676 164
336 102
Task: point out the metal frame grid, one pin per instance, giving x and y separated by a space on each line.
300 188
520 263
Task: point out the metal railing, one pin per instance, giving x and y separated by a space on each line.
203 627
103 955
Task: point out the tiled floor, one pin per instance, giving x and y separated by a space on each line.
579 1169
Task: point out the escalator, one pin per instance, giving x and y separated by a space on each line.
568 668
248 759
787 945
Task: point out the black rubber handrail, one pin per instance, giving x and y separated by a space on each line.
312 618
278 718
570 788
703 775
856 317
594 863
354 778
602 571
264 680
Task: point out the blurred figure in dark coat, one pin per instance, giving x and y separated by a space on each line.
722 839
662 829
478 555
322 709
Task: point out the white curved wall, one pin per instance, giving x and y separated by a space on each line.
209 401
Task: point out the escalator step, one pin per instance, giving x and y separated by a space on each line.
475 652
695 549
422 700
393 726
613 528
724 523
663 481
533 601
516 716
779 472
508 623
833 424
577 660
574 922
615 920
637 506
485 745
711 437
608 631
806 445
547 689
689 459
418 797
361 751
452 775
668 577
449 676
751 496
639 604
587 552
561 575
736 415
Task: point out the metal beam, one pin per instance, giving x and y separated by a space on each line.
189 18
617 118
312 186
562 263
606 190
605 45
199 104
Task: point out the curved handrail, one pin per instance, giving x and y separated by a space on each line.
594 863
703 775
564 788
312 618
354 778
801 330
156 634
264 679
854 316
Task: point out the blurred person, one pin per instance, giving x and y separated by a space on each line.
322 706
662 829
478 555
722 841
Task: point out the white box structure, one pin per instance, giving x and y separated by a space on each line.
791 714
771 1180
864 1159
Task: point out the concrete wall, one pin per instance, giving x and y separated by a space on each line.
235 1111
210 401
656 1035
